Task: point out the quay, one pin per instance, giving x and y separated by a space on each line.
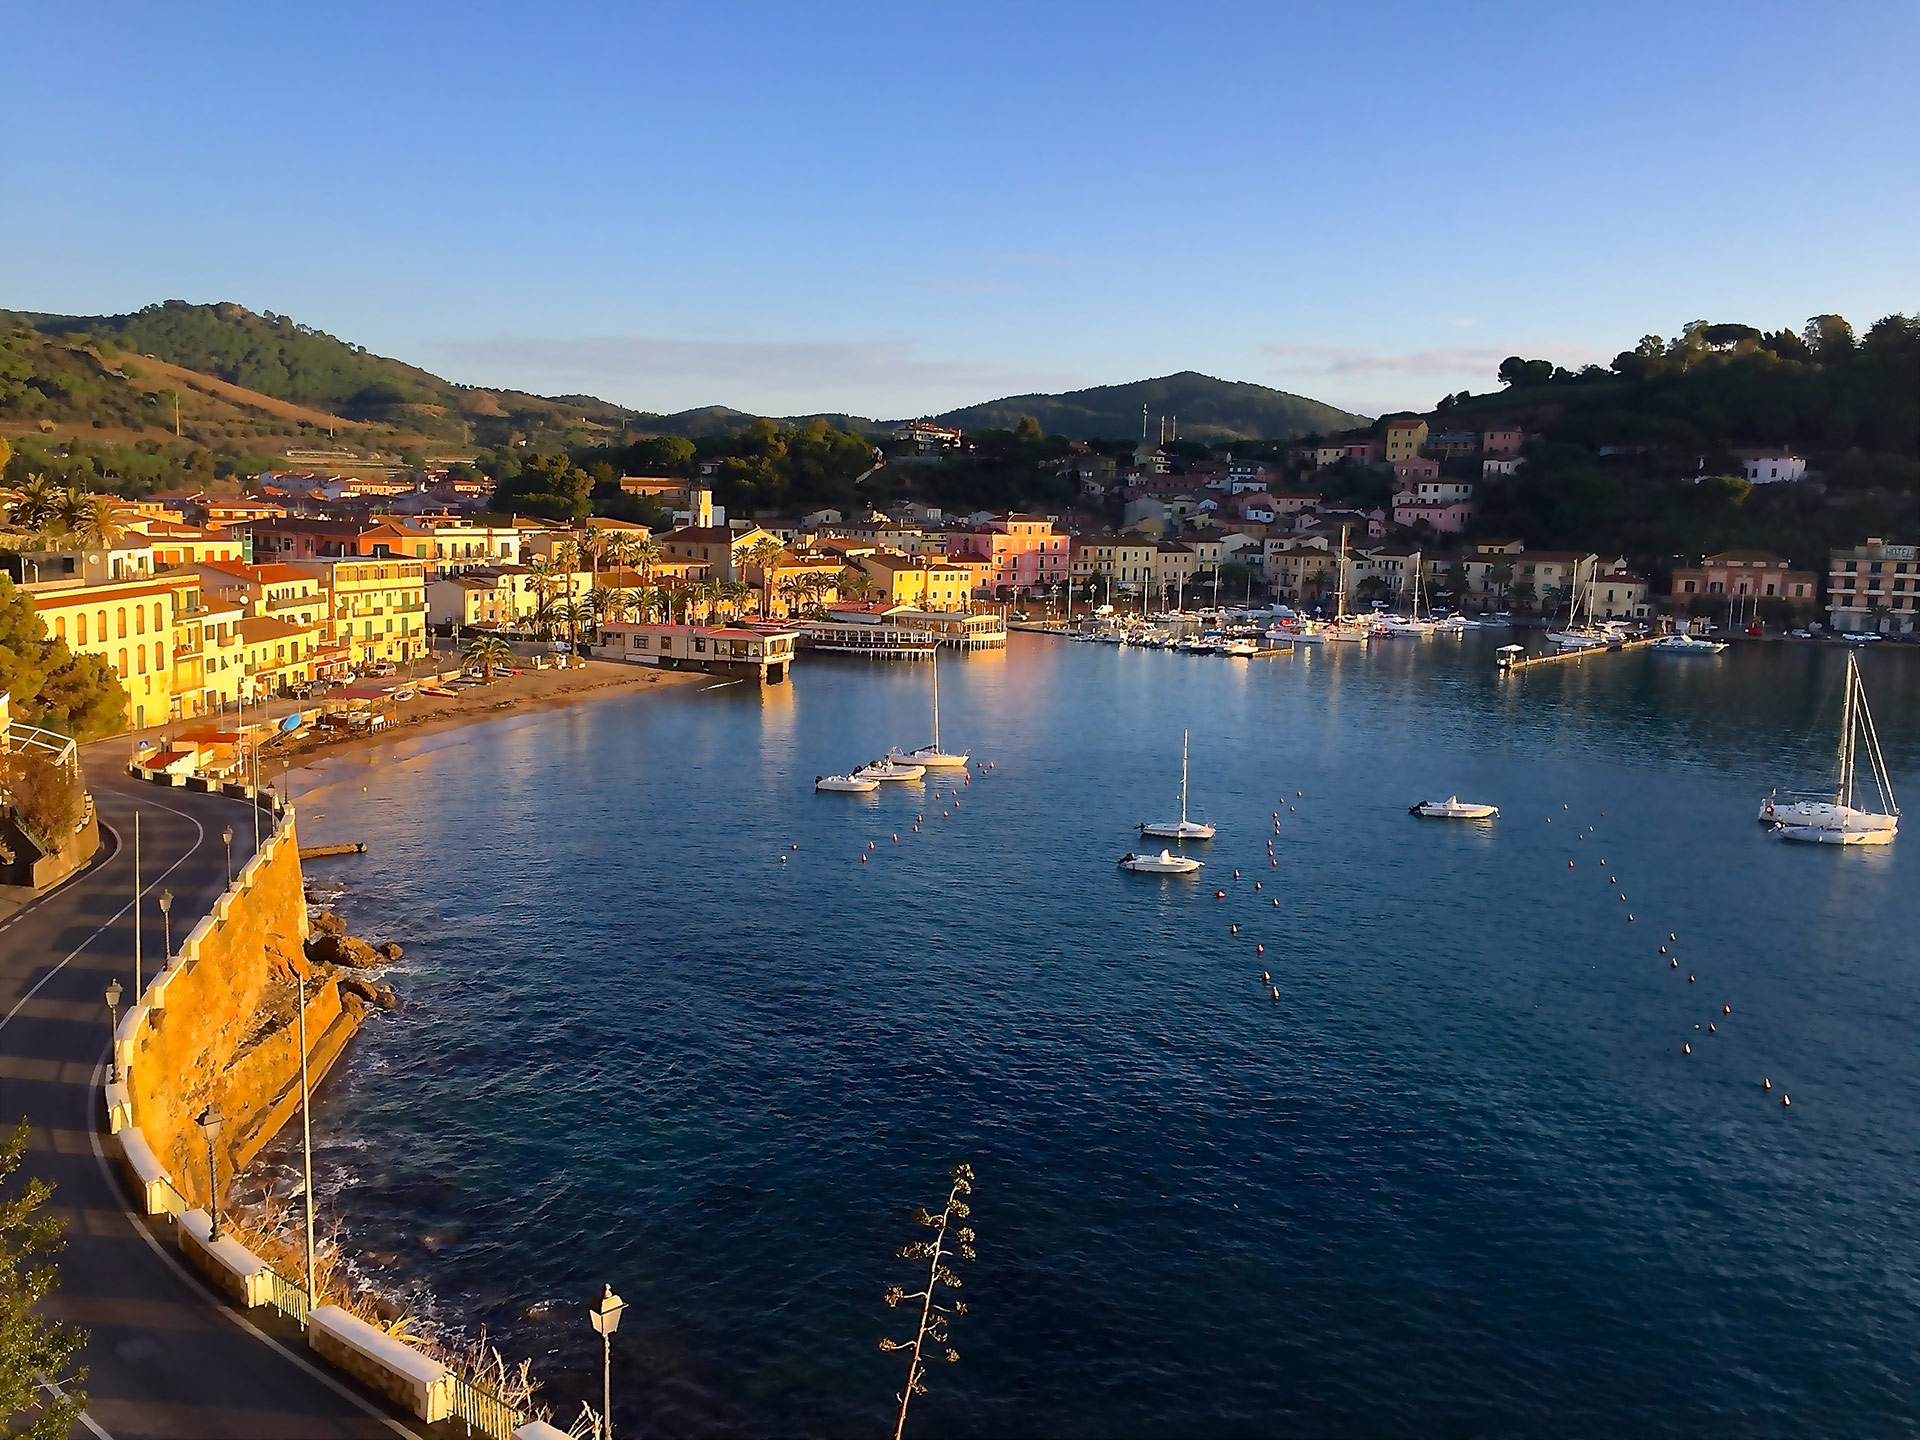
1512 658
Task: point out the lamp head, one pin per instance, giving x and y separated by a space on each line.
606 1312
113 994
166 901
227 834
209 1120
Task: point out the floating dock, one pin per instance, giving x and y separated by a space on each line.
1513 658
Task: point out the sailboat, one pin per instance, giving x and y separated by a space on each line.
1408 624
931 756
1811 817
1182 829
1577 636
1343 626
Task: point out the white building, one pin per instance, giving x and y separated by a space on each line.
1772 467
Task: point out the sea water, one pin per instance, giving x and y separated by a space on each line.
665 1029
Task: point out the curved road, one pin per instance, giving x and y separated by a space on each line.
167 1359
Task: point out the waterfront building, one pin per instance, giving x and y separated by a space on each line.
1127 562
1737 573
378 609
175 544
1619 595
1873 587
722 549
762 653
924 584
1024 551
464 542
494 596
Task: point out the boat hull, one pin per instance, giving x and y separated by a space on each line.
1178 830
1833 835
929 759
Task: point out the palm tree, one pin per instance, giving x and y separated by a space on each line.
98 523
859 584
601 603
488 651
571 613
71 508
38 502
736 593
765 553
792 587
543 574
644 552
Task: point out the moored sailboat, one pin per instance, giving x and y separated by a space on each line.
1813 819
931 756
1183 828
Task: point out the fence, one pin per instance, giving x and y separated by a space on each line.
49 744
484 1411
286 1297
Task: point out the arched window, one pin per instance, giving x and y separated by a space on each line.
80 625
120 616
60 627
159 656
140 657
100 625
123 664
139 619
159 617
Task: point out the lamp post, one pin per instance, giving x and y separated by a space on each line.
226 837
138 894
606 1319
166 923
113 1035
209 1121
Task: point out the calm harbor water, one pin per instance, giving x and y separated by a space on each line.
1460 1177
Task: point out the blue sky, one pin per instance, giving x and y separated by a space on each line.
894 209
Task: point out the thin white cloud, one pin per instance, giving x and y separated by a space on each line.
1451 360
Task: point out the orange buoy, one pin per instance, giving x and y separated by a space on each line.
896 839
1726 1009
1259 949
1236 874
796 847
1219 894
863 859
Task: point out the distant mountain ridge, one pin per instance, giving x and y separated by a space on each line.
277 357
1204 407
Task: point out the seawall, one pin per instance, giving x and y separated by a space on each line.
217 1026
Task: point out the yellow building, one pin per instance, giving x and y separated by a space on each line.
923 583
1127 562
378 606
176 545
1404 439
131 625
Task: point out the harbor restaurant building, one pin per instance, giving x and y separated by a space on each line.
763 655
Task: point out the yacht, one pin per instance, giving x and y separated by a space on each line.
1344 626
1812 818
931 756
1453 808
1686 645
1241 648
850 784
1165 863
1578 636
1183 828
890 770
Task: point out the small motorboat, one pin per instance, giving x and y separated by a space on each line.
1452 808
890 770
1165 863
851 784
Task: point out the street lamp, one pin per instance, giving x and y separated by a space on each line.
606 1319
113 1035
209 1121
166 923
226 838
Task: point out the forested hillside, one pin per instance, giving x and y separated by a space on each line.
1207 409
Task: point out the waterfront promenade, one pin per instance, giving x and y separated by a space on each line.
166 1358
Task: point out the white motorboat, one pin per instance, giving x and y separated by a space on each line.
1242 648
890 770
1686 645
1165 863
1813 818
1183 828
850 784
1453 808
931 757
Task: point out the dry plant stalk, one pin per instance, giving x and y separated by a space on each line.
933 1315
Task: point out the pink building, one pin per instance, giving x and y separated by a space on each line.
1365 449
1023 552
1447 517
1416 469
1502 442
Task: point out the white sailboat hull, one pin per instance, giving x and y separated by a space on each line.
1823 815
926 756
1178 830
1832 835
844 784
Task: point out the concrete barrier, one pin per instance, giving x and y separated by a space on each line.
235 1270
392 1367
119 1107
125 1037
150 1180
539 1430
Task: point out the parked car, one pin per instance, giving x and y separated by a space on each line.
384 669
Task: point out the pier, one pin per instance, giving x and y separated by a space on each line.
1511 658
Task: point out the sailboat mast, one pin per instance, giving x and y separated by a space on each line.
1340 591
1183 780
1844 795
936 699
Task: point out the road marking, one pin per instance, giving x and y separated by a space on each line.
219 1303
111 919
52 1387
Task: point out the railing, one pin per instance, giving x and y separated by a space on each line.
288 1298
56 747
484 1411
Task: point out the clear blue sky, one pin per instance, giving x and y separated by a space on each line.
901 208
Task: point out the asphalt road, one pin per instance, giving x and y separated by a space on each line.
166 1358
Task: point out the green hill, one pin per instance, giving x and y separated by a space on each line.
1207 409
